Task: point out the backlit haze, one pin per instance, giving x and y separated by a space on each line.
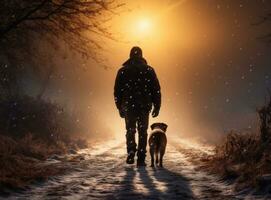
212 68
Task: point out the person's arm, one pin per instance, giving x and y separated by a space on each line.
156 93
118 91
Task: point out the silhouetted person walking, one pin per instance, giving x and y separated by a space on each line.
136 91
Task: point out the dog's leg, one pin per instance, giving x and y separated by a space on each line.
152 157
156 158
162 152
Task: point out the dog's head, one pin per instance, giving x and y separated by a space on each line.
161 126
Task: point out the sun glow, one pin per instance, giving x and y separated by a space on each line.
144 26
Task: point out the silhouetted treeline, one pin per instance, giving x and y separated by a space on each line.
43 119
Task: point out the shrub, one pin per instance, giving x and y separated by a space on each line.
43 119
246 157
21 161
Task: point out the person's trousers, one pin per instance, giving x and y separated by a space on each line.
139 122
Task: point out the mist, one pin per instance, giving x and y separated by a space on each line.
62 136
208 62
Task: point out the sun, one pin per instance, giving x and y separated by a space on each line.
139 27
144 27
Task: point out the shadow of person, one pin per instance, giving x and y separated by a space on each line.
175 185
127 187
153 191
153 184
128 180
135 187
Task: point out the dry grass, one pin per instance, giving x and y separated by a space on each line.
246 157
241 158
21 161
18 171
53 131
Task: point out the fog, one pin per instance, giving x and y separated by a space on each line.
212 69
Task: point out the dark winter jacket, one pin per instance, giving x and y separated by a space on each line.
137 87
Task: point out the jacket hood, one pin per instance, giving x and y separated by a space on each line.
134 61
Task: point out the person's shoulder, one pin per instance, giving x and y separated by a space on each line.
150 68
122 68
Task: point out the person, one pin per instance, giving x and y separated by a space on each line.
136 92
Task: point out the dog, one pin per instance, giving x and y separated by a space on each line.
158 143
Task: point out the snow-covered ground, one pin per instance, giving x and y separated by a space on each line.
101 173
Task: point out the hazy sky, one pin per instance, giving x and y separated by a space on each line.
212 68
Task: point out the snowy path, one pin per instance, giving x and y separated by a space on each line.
100 173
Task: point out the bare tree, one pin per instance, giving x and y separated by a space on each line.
67 20
25 24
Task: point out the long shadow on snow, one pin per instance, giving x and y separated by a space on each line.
175 186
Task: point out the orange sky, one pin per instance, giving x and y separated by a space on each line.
206 56
169 31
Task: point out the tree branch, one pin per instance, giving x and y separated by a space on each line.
19 21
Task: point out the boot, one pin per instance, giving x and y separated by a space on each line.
130 158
